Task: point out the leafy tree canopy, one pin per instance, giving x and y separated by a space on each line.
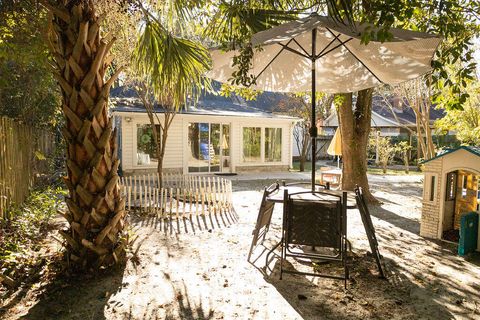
465 123
28 91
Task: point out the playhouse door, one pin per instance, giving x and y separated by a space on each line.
466 199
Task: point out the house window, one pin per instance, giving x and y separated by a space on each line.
146 146
251 144
273 144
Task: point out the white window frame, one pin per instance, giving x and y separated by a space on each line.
281 145
135 150
262 145
428 187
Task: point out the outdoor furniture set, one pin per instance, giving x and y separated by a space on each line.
314 225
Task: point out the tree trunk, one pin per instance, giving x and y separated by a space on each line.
405 161
305 149
355 129
96 209
302 164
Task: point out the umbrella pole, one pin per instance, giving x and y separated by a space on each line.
313 126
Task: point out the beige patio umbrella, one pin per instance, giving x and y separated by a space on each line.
317 53
335 147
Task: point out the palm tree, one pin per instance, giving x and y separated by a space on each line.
169 69
96 210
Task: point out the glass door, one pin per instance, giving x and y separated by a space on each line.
225 148
214 147
208 145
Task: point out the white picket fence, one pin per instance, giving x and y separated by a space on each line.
180 195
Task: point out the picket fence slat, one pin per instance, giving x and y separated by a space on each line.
182 196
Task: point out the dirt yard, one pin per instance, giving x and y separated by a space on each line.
202 273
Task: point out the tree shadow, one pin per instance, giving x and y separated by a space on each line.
407 224
187 308
367 296
80 297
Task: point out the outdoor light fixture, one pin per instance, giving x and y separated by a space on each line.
128 119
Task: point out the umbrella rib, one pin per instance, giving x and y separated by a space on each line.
269 63
361 62
328 45
298 44
342 43
286 47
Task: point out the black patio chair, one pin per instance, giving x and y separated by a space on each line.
263 219
318 220
369 228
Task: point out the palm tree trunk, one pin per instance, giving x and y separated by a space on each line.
96 209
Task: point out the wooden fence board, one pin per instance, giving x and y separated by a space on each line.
18 162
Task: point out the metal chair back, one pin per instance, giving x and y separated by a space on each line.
263 219
315 219
369 228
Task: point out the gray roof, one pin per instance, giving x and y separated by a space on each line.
473 149
125 99
402 111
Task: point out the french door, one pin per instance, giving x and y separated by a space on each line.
208 147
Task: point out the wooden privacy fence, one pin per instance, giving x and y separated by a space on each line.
18 161
179 196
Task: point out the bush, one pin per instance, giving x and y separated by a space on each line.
22 233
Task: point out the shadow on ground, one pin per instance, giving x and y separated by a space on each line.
187 224
95 298
83 297
404 223
366 296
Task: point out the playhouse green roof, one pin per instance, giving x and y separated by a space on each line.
472 149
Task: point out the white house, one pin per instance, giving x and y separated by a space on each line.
216 135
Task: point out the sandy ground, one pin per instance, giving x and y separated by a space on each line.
202 273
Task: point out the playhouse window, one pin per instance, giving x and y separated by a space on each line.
451 186
432 188
464 186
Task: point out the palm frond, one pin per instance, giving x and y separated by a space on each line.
173 66
234 23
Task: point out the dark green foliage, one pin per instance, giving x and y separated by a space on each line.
28 91
21 236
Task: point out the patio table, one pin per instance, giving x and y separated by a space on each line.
277 197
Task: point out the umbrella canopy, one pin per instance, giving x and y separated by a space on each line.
317 53
342 63
335 147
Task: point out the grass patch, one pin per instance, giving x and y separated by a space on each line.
296 166
390 172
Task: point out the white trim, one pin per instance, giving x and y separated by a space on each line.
262 146
428 186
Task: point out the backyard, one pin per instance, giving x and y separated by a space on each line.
147 146
205 275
